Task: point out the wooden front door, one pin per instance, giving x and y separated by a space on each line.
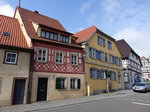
19 88
42 89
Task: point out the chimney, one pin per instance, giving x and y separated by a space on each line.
37 12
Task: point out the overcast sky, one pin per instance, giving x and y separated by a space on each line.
121 19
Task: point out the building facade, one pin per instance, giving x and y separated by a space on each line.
14 63
145 69
131 64
100 54
57 69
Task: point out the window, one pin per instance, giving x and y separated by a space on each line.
113 75
43 33
74 59
101 41
42 55
92 53
64 39
74 83
49 35
59 57
100 74
148 75
11 57
93 73
61 83
55 36
97 73
109 45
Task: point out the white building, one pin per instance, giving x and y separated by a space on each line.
131 64
145 68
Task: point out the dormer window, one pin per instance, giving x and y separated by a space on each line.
49 35
64 39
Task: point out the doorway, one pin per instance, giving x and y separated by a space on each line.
42 89
19 90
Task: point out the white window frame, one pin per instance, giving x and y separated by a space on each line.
75 62
73 85
62 60
43 49
63 83
6 56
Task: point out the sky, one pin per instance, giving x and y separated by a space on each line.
120 19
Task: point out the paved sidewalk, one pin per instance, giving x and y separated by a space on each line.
59 103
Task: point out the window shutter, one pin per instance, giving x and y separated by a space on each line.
110 76
58 84
114 75
91 73
104 43
66 83
90 52
98 74
100 55
101 74
79 84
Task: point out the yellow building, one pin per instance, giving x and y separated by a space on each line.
101 54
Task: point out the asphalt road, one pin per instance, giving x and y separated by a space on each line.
134 103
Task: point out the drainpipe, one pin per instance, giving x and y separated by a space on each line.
30 76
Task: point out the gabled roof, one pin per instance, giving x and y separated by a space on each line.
28 17
125 49
144 58
86 34
15 37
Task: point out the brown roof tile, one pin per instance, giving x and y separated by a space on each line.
16 37
124 48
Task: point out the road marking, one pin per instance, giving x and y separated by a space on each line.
141 103
133 100
124 99
141 100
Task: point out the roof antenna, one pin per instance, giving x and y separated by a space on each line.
19 3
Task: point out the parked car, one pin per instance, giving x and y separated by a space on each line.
141 87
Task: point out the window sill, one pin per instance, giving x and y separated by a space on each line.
74 89
63 89
42 61
74 65
10 63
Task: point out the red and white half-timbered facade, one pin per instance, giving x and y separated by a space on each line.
57 61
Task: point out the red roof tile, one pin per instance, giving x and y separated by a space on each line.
85 34
16 37
28 17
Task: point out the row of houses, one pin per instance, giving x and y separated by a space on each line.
41 61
